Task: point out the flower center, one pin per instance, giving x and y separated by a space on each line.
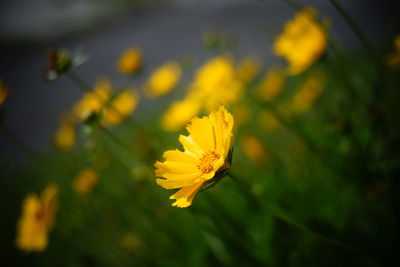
206 162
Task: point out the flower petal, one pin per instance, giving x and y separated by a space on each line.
184 197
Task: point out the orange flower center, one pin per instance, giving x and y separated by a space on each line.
207 161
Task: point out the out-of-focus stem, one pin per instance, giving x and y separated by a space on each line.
283 217
367 45
17 142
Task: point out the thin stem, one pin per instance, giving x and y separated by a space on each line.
357 31
283 217
17 142
81 84
117 141
366 43
315 150
291 4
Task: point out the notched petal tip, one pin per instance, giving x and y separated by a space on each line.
181 203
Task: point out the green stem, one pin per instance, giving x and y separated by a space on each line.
319 153
117 141
292 4
357 31
367 45
17 142
283 217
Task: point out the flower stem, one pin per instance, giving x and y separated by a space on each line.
283 217
17 142
367 46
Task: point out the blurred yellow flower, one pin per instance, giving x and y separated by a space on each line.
65 135
115 109
85 181
130 61
269 121
254 150
163 79
393 59
3 92
179 113
308 93
121 107
37 219
302 42
216 83
205 152
248 69
271 85
93 102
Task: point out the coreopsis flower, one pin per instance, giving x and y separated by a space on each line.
163 79
179 114
3 92
85 181
307 94
216 83
254 150
93 102
130 61
393 59
37 219
271 85
120 107
206 151
65 135
114 108
302 42
248 69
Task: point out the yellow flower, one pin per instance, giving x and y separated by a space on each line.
308 93
120 107
254 150
130 61
3 92
65 135
163 79
393 59
216 84
115 109
205 152
85 181
178 114
271 85
37 219
248 68
93 102
302 42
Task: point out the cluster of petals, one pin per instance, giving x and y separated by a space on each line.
205 153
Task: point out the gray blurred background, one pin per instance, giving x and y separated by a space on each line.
164 29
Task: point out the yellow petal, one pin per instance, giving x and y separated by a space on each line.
184 197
